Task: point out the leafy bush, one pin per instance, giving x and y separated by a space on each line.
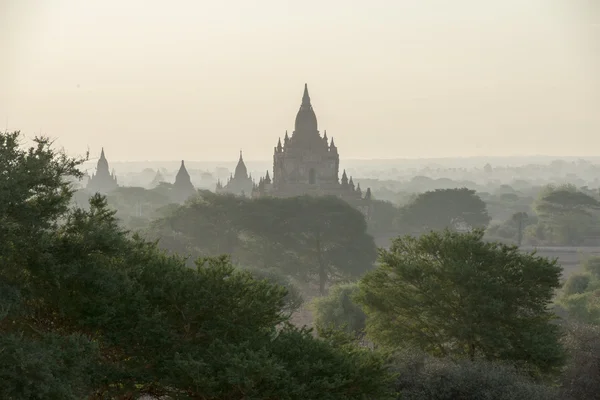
576 284
422 377
579 298
581 378
50 367
293 299
338 310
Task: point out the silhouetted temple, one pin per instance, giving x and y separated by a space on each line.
240 183
102 181
183 187
308 163
158 178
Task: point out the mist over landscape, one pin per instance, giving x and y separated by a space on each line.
300 200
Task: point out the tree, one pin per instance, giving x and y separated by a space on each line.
89 311
520 218
512 230
315 239
566 215
383 218
137 206
206 225
454 209
339 310
580 295
452 293
326 234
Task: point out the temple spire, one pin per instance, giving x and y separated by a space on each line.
305 97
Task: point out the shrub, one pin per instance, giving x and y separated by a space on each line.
423 377
338 310
293 299
581 377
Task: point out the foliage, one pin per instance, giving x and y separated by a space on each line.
293 299
88 310
512 229
319 239
422 377
383 218
566 215
339 310
580 379
580 295
452 294
48 367
454 209
136 206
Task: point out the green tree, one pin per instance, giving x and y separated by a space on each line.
580 295
454 294
520 219
207 225
383 219
454 209
137 207
87 310
338 310
566 215
314 239
326 234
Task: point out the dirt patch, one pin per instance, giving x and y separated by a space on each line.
303 317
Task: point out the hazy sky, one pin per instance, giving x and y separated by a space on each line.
198 80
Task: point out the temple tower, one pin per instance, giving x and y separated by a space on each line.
183 187
102 181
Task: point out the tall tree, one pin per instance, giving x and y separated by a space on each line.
454 294
566 215
454 209
326 234
520 218
208 225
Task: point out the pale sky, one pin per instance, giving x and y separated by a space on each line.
198 80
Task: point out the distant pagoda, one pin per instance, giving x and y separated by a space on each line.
102 181
240 183
183 187
158 178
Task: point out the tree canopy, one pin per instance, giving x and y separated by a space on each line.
566 216
319 239
454 209
86 309
451 293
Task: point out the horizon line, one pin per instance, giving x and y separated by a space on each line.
371 159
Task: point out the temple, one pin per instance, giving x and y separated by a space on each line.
308 163
102 181
240 183
183 187
158 178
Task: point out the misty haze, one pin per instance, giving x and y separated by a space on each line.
300 200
